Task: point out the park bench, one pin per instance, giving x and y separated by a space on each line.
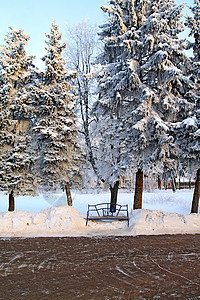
107 211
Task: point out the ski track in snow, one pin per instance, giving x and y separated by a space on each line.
121 271
124 281
7 269
125 273
183 277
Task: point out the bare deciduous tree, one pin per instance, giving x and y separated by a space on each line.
80 53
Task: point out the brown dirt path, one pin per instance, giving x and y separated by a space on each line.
142 267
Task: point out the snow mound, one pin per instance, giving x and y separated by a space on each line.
67 221
51 221
160 222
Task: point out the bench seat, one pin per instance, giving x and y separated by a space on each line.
107 218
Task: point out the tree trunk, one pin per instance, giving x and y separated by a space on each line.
84 105
190 185
114 193
165 182
179 182
11 202
138 190
196 195
173 184
68 193
159 183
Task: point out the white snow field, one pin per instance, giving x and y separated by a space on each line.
164 212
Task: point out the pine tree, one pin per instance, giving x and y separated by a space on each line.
193 22
114 84
143 88
165 95
15 117
188 131
53 60
55 133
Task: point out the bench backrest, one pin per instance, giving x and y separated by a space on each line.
107 209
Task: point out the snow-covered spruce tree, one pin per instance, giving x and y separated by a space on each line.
142 89
59 156
165 95
16 70
188 131
80 52
188 141
193 22
113 84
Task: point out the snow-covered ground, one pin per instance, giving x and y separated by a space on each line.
164 212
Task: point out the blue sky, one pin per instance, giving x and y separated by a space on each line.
35 17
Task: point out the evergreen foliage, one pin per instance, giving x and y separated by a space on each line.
15 115
58 154
55 69
193 22
187 132
143 87
38 133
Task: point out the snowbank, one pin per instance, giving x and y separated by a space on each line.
55 220
67 221
160 222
